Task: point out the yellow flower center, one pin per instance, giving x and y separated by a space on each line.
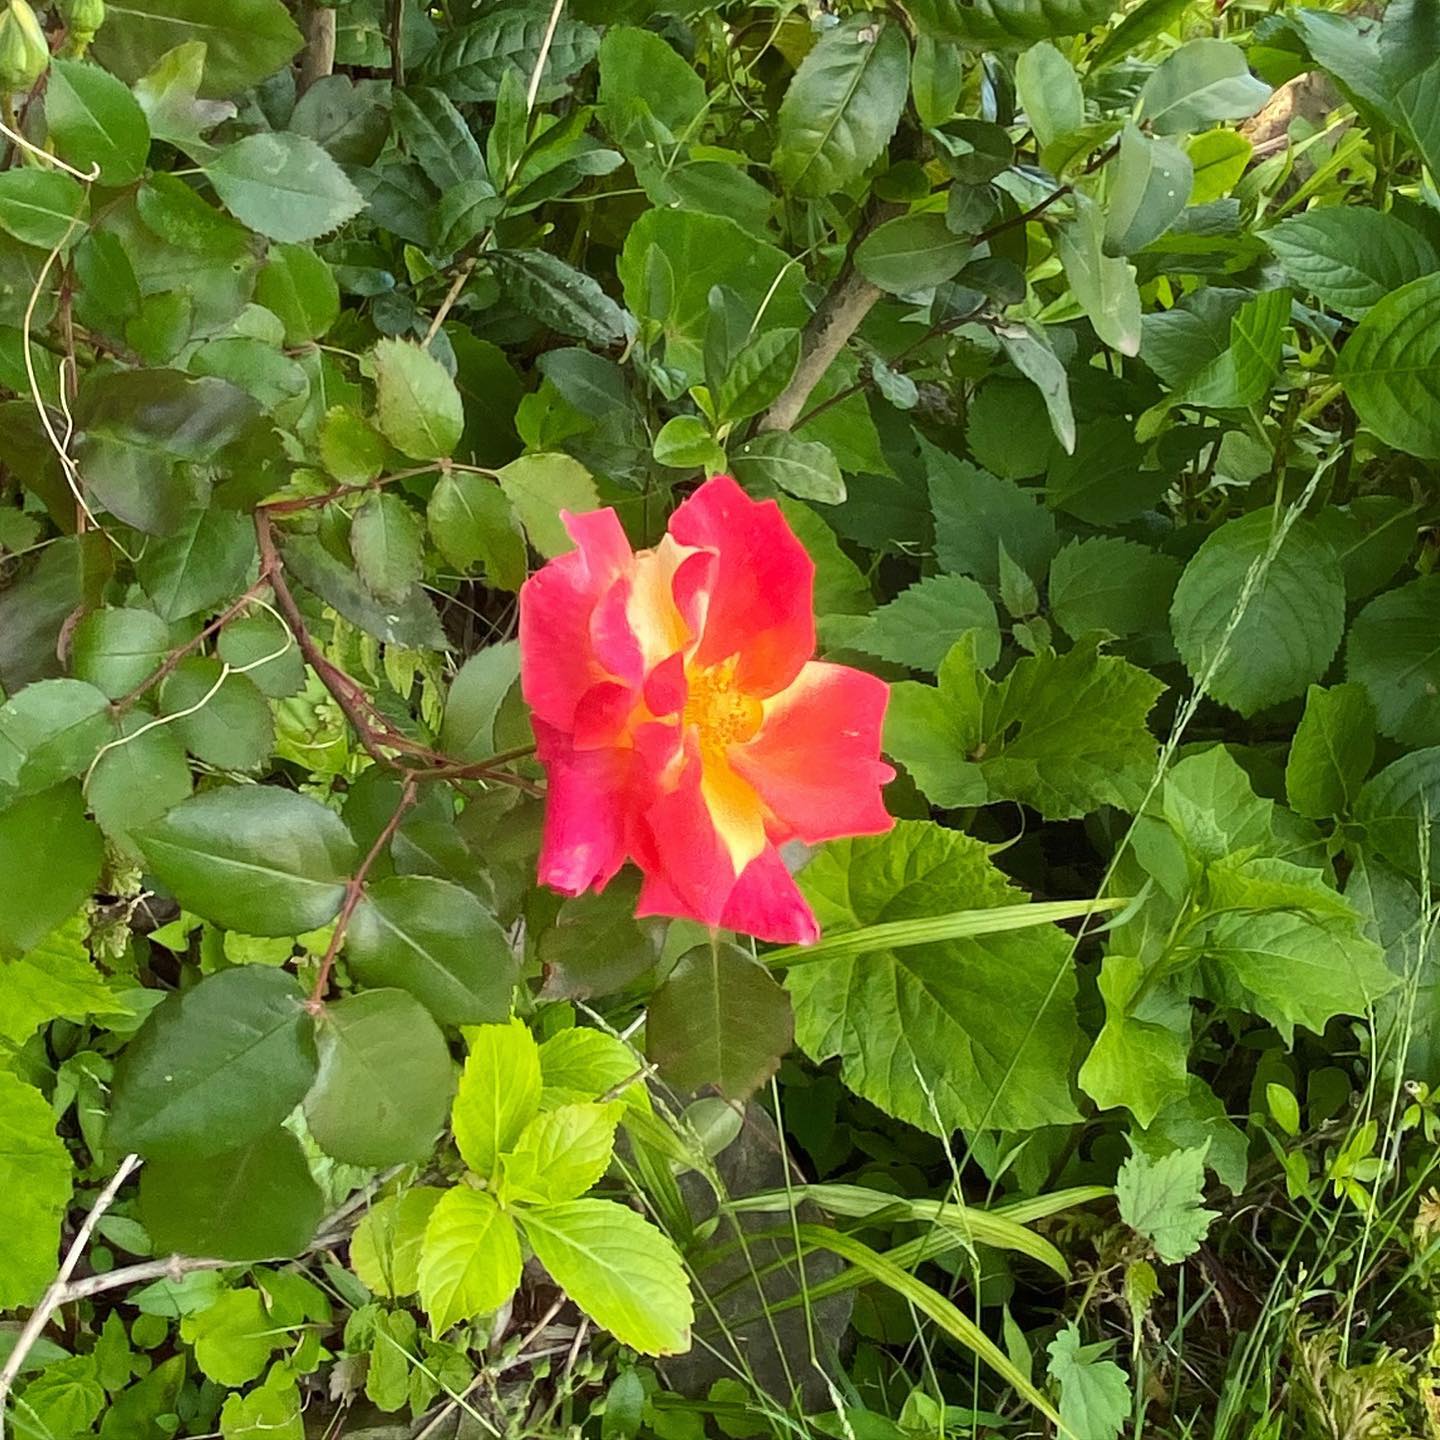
721 714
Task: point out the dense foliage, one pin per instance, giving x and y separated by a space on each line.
1093 353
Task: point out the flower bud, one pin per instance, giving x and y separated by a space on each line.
24 55
82 19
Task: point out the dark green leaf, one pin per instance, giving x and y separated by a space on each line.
48 837
388 546
473 523
215 1066
203 562
95 122
1390 365
1008 24
222 718
48 732
918 627
1111 585
435 133
1394 652
469 63
1331 752
115 648
298 286
912 253
558 295
760 370
1202 82
41 207
1350 259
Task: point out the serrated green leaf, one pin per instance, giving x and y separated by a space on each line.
1094 1393
1161 1200
539 487
388 546
1389 368
1331 752
417 404
385 1248
1049 90
499 1093
469 1260
761 369
920 625
283 185
36 1173
95 122
1007 24
804 468
562 1153
912 253
1111 585
1350 258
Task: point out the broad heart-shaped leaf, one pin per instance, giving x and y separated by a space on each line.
469 1260
253 858
912 253
1350 258
388 545
1394 652
803 468
384 1083
1007 24
417 404
974 740
214 1066
1291 622
918 627
561 1153
1149 187
539 487
1139 1057
626 1275
1293 969
1111 585
719 1018
283 185
437 941
1390 368
1161 1201
35 1173
843 105
473 523
499 1093
244 40
95 122
47 838
1103 286
1094 1392
1201 83
41 207
974 1033
1331 752
50 731
255 1202
385 1248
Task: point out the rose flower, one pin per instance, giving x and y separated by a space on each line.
682 722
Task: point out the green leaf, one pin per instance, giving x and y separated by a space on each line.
47 837
214 1066
1390 364
255 859
539 487
642 78
50 731
52 979
472 523
1216 349
223 719
974 740
115 649
299 287
470 1260
1104 287
918 627
385 1248
95 122
66 1398
233 1338
470 62
976 514
843 105
283 185
485 679
1398 809
719 1018
758 373
1112 586
1331 752
384 1083
263 647
41 207
199 564
562 1153
558 295
912 253
1198 1121
1198 85
272 1411
1161 1200
619 1269
499 1093
417 404
435 133
350 449
803 468
1289 627
1028 349
936 78
581 1064
437 941
35 1171
596 946
168 91
971 1032
1049 92
254 1202
1139 1057
1094 1393
1350 258
1007 24
1150 184
1292 969
244 41
388 546
1219 158
135 783
1393 652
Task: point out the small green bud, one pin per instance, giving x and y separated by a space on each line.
24 54
82 19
